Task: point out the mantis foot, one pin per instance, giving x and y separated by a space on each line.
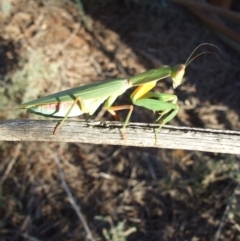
123 134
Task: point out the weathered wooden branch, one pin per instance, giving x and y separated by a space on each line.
137 134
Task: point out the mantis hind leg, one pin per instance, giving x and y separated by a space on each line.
77 101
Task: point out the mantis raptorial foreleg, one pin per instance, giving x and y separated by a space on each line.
166 104
172 108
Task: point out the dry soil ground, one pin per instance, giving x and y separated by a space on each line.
124 193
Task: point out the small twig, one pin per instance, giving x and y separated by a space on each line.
71 199
66 42
225 215
82 14
216 25
11 163
209 8
29 237
127 189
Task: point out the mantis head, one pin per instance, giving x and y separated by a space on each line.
178 71
177 74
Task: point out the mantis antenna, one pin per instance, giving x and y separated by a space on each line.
189 60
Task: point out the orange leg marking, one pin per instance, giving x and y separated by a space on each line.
112 110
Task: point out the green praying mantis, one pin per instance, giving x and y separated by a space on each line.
86 99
